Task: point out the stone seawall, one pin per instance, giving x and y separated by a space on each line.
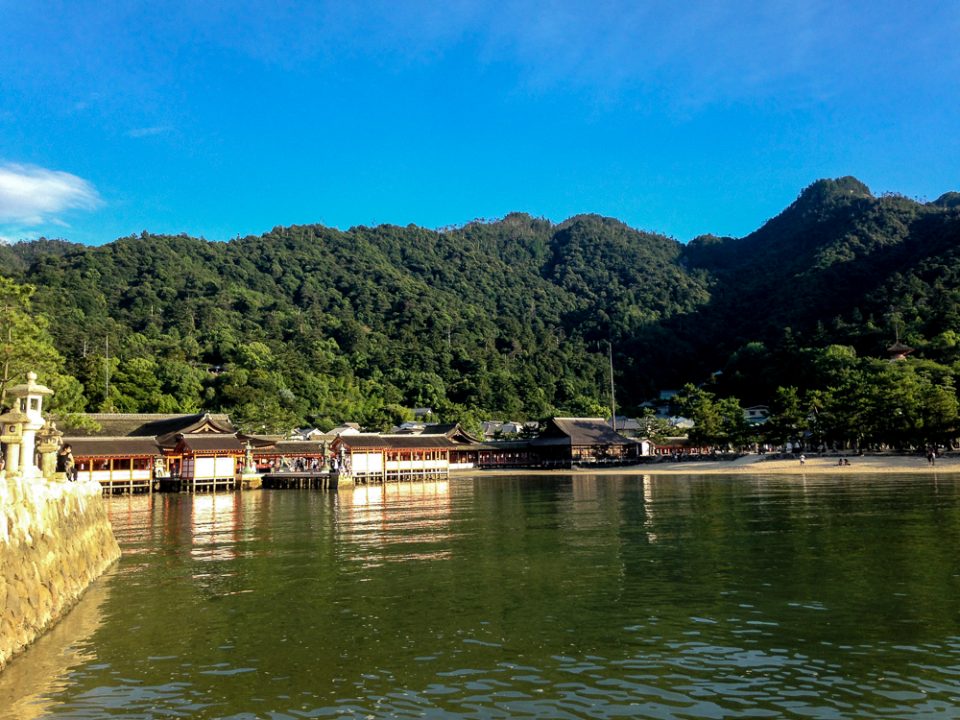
55 539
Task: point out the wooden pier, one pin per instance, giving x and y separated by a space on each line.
300 480
406 472
276 480
195 485
118 476
126 485
326 479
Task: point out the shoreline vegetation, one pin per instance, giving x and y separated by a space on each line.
760 465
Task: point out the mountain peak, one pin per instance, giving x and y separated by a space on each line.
827 191
948 200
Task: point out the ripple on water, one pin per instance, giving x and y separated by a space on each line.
523 597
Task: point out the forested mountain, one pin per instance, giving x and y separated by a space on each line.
838 266
510 318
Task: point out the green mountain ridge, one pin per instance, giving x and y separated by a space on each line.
837 252
507 318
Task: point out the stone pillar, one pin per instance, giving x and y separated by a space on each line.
29 401
48 442
11 435
13 459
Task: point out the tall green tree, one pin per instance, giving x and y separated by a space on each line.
26 345
701 407
736 432
788 417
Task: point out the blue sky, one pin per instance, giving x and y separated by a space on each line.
221 119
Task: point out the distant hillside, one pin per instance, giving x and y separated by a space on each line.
507 318
309 323
838 265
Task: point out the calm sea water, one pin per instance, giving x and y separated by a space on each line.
561 597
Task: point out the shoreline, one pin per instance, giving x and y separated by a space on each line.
757 465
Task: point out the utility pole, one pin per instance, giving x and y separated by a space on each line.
613 399
7 350
106 373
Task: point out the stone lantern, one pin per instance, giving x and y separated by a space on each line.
48 442
249 467
250 479
11 435
28 400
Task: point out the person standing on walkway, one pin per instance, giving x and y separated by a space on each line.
65 462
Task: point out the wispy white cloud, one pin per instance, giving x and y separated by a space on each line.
9 236
148 131
31 195
704 53
688 55
642 53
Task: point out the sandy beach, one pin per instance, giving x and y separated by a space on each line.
760 465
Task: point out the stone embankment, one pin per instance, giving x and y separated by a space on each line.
55 539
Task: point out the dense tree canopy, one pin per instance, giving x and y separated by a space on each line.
26 345
309 324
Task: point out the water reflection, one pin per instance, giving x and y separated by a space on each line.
396 522
215 525
398 494
29 682
614 596
648 506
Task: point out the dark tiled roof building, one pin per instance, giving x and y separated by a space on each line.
574 441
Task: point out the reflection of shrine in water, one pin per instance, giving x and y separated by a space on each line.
216 527
212 526
616 501
596 501
648 508
398 521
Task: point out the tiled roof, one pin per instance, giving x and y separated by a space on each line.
147 424
448 429
297 447
260 441
112 446
204 442
589 431
397 442
499 445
